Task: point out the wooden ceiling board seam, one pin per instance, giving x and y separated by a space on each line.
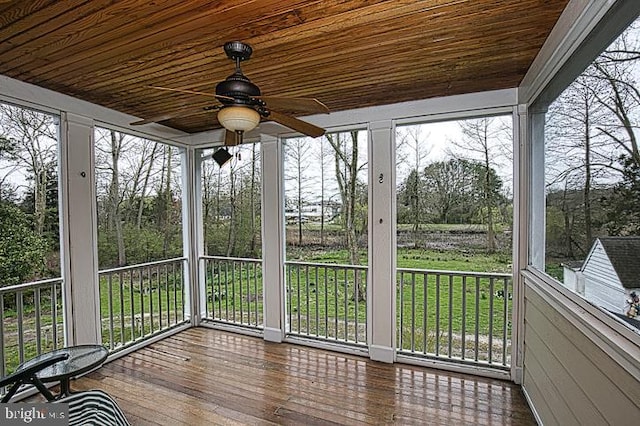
182 53
380 61
15 10
124 50
30 23
208 72
98 45
100 20
206 47
21 44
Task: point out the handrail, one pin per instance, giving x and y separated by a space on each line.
461 273
232 259
142 265
30 285
328 265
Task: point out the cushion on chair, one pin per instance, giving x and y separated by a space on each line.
94 407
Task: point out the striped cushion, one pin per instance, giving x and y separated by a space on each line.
94 407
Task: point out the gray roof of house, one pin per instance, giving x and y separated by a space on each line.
624 254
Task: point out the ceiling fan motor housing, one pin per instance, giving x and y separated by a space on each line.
238 87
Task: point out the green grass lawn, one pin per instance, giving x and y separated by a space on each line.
131 308
320 301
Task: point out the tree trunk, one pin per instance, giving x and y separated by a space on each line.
587 178
253 242
114 198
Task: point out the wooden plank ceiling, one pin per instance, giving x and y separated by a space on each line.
347 53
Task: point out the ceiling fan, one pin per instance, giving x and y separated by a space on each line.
241 106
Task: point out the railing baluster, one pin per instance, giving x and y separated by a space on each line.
131 308
54 314
425 328
36 300
289 291
450 311
3 365
491 296
326 304
356 284
477 325
438 314
141 287
366 276
159 287
400 306
19 308
317 283
110 306
505 319
413 312
346 304
463 325
167 293
336 292
226 291
306 274
122 319
175 293
240 266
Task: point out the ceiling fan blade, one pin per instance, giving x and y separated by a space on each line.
184 112
192 92
295 104
297 125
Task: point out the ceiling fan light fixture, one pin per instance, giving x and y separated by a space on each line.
238 118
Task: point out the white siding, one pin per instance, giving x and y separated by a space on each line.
601 284
570 279
569 377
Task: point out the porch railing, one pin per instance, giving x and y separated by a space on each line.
139 301
32 321
234 290
327 302
452 315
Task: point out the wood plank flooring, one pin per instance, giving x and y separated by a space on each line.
206 377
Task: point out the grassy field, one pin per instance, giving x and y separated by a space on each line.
131 307
324 302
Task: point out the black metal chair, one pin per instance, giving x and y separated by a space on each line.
93 407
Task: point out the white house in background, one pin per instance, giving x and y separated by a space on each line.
609 274
572 276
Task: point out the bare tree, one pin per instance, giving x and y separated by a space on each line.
298 156
33 136
478 142
323 157
113 209
413 149
348 166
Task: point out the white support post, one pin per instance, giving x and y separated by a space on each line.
193 241
536 192
79 224
520 235
381 288
272 239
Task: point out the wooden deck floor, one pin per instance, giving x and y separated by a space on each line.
204 377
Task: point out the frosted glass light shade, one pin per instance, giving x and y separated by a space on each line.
238 118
